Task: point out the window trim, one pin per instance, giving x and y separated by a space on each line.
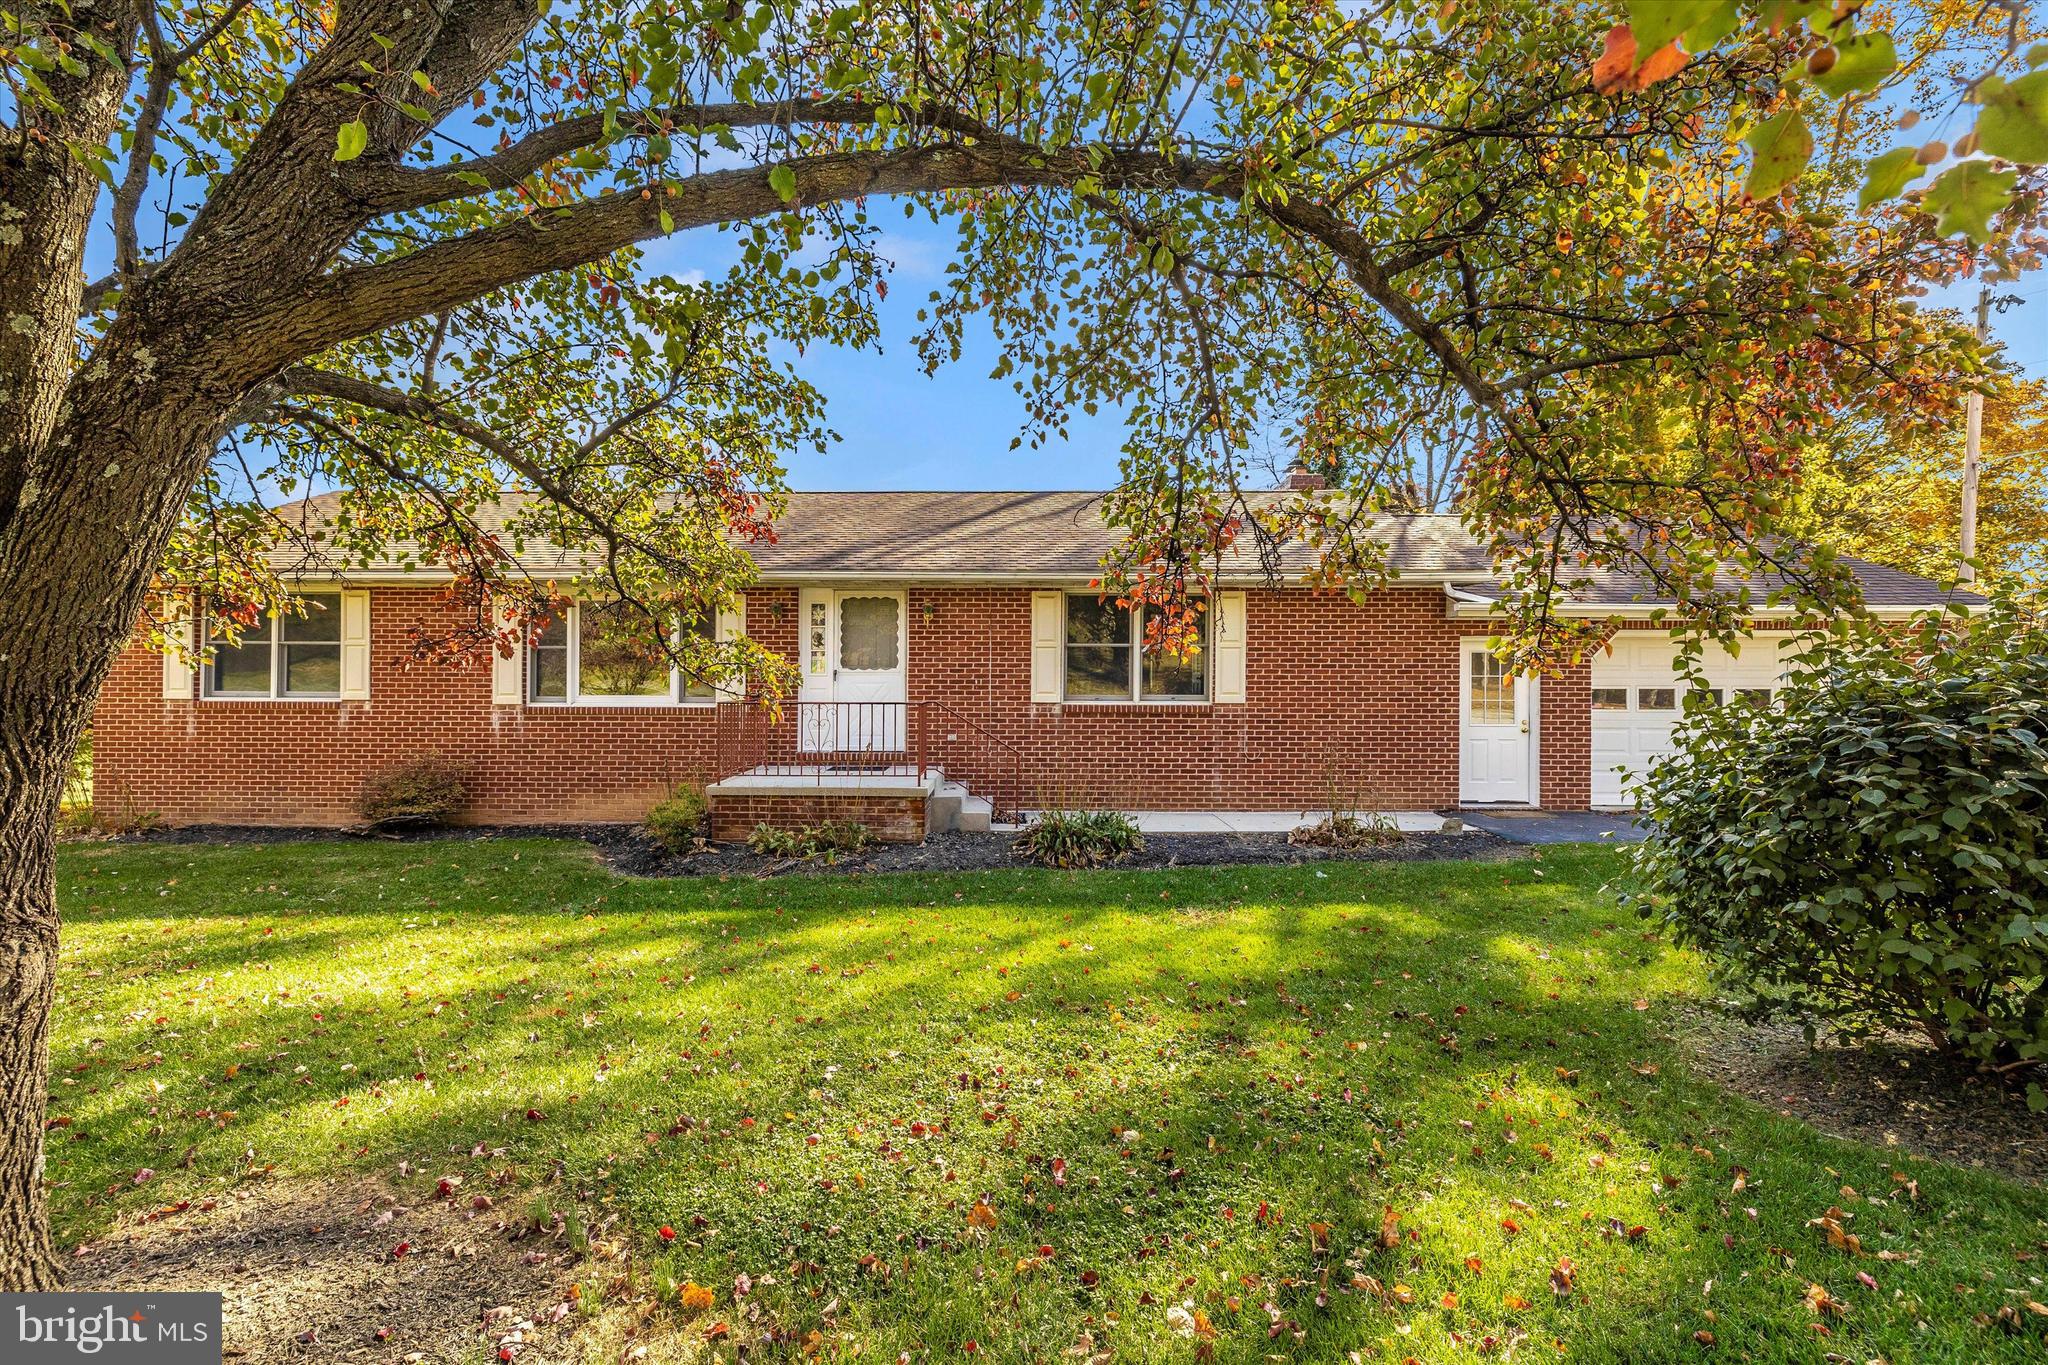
273 640
572 622
1134 695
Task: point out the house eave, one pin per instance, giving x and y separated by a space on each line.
1466 606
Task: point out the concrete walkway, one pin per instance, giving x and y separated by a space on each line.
1560 827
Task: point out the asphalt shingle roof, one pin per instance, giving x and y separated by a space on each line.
1020 535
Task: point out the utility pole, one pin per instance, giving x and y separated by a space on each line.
1973 451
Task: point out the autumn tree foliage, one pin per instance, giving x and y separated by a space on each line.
1898 501
397 249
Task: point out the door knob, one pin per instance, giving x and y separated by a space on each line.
1525 727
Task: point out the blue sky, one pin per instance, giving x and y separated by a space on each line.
903 428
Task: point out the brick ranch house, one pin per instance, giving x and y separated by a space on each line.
953 660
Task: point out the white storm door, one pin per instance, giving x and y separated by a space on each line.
1493 731
855 671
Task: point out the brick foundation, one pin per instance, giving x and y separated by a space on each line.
889 819
1346 703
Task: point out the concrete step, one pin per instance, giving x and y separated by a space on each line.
942 808
976 814
953 807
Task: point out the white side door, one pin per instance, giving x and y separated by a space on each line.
855 671
1496 755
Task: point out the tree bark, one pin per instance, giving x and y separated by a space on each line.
31 784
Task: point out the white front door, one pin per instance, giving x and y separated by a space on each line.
1496 758
855 671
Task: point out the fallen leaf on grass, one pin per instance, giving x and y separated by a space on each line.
1562 1276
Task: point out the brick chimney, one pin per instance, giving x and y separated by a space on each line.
1301 479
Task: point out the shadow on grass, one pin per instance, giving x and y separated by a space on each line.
1205 1086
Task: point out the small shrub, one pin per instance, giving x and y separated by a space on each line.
833 839
677 820
1337 830
1079 838
1872 854
420 791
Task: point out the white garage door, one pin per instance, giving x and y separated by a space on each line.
1637 695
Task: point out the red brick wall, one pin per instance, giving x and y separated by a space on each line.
1356 703
303 762
889 819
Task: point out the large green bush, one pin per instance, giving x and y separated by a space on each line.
1873 850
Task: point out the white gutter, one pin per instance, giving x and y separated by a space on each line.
1471 606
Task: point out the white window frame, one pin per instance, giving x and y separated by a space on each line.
273 636
1134 693
572 622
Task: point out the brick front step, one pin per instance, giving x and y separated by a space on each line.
896 808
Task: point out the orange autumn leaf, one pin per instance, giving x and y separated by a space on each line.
1319 1235
1617 61
1563 1276
1667 60
1820 1301
1449 1300
1474 1264
1390 1236
981 1215
1515 1303
696 1298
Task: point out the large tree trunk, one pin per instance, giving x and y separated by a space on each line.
31 783
76 584
46 689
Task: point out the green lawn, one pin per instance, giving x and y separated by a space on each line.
1175 1091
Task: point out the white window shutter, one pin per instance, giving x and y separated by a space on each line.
355 644
178 668
508 674
1227 632
1048 646
732 625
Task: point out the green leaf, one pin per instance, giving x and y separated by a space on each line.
1779 15
668 224
1966 197
1657 22
1889 174
1701 37
782 180
1782 145
350 139
2014 124
1861 63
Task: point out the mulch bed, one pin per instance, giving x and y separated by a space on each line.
1894 1092
633 852
628 849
